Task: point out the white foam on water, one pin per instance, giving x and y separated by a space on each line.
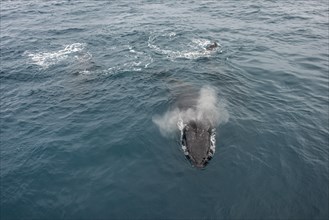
191 55
46 59
128 66
172 34
195 49
85 72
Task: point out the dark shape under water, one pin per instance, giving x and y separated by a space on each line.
198 142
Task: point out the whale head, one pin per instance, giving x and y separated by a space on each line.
212 46
198 142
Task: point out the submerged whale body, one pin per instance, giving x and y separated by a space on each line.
198 142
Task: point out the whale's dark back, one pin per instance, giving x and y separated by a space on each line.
212 46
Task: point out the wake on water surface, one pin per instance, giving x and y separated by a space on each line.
135 57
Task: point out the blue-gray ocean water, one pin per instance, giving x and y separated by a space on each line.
82 83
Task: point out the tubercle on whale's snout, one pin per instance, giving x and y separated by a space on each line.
198 165
201 164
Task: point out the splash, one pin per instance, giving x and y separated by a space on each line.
206 108
46 59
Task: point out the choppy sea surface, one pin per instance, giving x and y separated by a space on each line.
83 82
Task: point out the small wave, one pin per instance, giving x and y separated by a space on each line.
201 42
134 61
46 59
129 66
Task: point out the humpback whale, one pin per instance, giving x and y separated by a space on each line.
196 113
212 46
198 142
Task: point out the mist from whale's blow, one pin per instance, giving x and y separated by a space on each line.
205 107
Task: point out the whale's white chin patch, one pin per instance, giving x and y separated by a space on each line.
212 142
181 126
